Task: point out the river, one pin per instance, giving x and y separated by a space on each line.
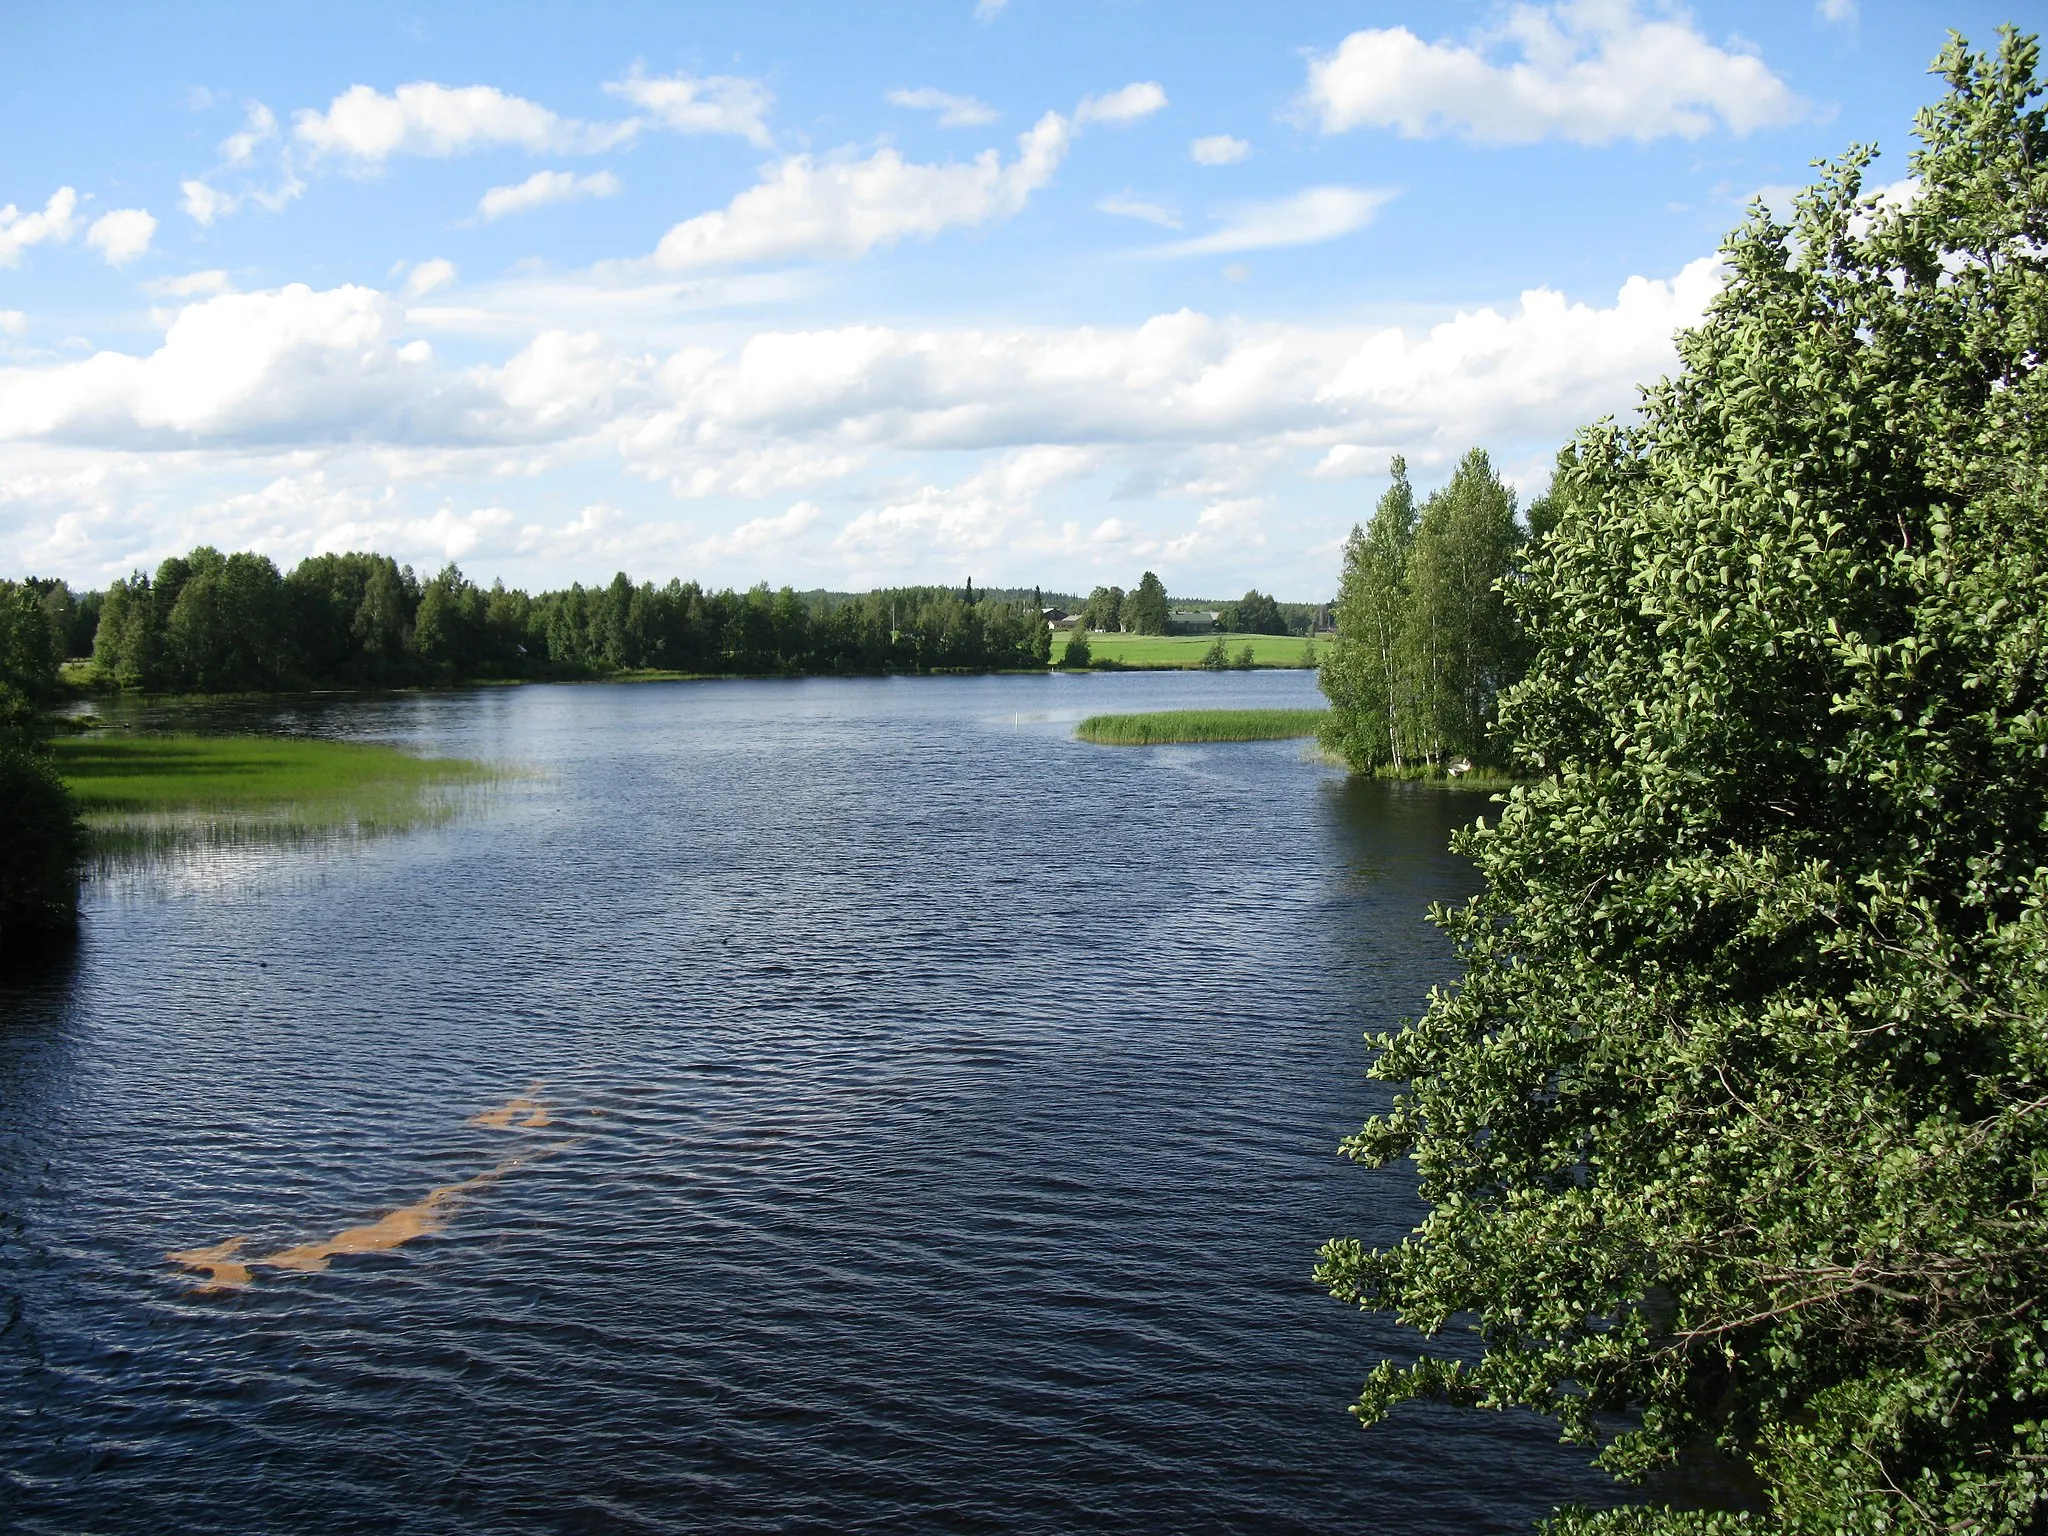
810 1106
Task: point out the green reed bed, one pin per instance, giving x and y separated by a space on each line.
1169 726
145 795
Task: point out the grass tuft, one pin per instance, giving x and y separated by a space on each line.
1168 726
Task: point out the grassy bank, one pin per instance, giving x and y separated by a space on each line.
1188 650
141 794
1167 726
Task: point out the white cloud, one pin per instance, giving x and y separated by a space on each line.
190 285
713 104
427 276
1125 206
1218 149
1137 100
438 121
19 231
259 129
986 11
12 322
1592 71
122 235
810 207
544 187
1306 218
1837 12
765 535
291 364
247 390
954 111
244 154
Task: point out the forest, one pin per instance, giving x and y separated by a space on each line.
213 623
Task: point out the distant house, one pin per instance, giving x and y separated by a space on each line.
1059 618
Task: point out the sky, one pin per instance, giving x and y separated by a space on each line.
1026 292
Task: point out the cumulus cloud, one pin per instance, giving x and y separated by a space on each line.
805 206
1591 71
954 111
1140 99
297 383
1125 206
439 121
1305 218
122 235
1218 149
544 187
55 223
713 104
764 535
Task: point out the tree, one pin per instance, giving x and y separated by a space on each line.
1104 610
1254 614
1460 634
1077 654
1737 1120
1145 609
1366 675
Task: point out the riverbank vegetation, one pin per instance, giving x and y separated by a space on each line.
1168 726
1734 1136
41 841
152 794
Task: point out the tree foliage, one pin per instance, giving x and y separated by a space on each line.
1145 610
1739 1118
1425 641
1254 614
41 841
209 623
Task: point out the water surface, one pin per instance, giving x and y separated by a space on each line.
807 1106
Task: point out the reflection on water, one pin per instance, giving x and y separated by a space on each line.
954 1109
226 1269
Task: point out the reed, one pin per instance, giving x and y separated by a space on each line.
1169 726
143 796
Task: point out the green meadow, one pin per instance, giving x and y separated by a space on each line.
142 794
1167 726
1188 650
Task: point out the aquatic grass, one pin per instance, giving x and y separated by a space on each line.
1187 651
1166 727
143 796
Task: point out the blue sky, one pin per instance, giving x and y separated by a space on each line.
846 295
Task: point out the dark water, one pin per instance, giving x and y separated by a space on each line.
928 1126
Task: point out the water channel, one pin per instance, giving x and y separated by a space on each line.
810 1106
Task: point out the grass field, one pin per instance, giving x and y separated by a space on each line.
1188 650
141 794
1166 726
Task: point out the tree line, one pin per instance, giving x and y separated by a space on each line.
1426 641
207 622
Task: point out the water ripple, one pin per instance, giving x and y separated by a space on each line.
826 1106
